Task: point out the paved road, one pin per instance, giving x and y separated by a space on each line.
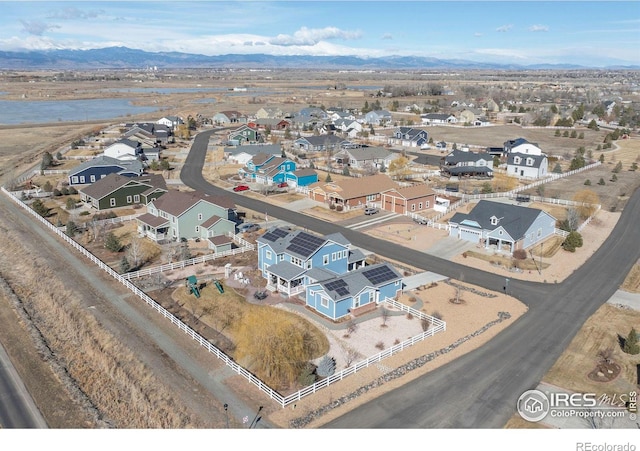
17 409
481 388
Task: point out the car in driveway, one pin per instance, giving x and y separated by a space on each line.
283 185
371 211
248 227
241 188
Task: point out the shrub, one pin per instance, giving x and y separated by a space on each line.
601 181
380 345
614 178
84 213
326 367
64 191
572 241
587 182
56 192
339 207
520 254
112 242
73 190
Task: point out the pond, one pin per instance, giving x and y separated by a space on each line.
41 111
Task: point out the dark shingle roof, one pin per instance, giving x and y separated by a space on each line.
515 219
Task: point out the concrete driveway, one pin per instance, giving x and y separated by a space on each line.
449 247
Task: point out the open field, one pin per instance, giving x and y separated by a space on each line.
599 333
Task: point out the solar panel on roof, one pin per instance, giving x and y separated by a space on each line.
342 291
379 275
305 244
336 284
275 234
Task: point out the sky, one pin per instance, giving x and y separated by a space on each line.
589 33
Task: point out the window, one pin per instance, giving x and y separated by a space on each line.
344 254
334 256
539 232
494 220
199 216
267 255
516 160
426 204
74 179
136 198
296 261
420 206
129 199
112 202
324 302
397 283
371 197
312 293
82 179
413 207
356 302
173 219
92 178
529 161
281 257
325 259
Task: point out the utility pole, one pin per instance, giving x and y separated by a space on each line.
226 412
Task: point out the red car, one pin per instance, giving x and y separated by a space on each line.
241 188
283 185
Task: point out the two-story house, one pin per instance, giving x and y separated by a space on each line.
378 117
244 135
525 159
116 190
93 170
363 157
409 137
297 262
229 117
179 215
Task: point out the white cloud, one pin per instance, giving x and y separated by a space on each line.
538 28
387 36
37 28
477 35
312 36
504 28
74 13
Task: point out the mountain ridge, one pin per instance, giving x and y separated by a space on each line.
128 58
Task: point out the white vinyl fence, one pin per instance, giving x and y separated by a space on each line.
436 326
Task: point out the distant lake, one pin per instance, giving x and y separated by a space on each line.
40 111
164 90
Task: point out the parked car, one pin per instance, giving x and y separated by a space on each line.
421 220
241 188
248 227
283 185
370 211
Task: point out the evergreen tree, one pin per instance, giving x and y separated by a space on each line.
327 367
112 242
631 343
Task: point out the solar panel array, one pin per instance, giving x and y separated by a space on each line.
379 275
339 286
275 235
305 244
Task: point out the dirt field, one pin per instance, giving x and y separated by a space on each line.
571 371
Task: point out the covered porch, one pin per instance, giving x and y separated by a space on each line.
285 277
153 227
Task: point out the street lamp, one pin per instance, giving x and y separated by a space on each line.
226 412
506 285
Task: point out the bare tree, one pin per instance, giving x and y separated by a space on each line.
573 219
136 251
384 314
350 355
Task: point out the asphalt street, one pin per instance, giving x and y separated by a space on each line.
481 388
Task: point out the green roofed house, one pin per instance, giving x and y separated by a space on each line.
115 191
190 215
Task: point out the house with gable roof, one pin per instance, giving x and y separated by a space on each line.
361 157
352 192
93 170
116 190
502 226
409 137
333 277
525 159
319 143
438 119
244 154
229 117
408 199
270 169
170 121
244 135
460 163
378 117
179 215
123 149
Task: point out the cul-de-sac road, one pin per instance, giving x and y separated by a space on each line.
481 388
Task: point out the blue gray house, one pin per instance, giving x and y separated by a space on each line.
269 169
99 167
503 227
294 261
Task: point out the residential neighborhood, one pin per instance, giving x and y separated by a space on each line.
298 248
